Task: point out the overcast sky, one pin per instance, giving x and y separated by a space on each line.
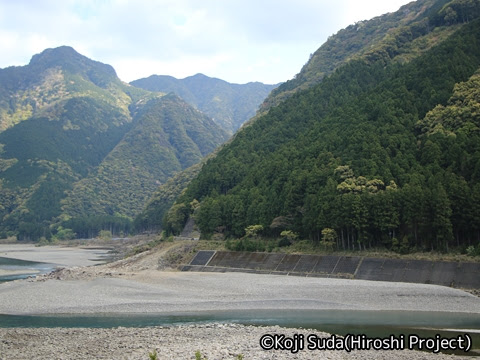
235 40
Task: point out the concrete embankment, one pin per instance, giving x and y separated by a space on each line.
454 274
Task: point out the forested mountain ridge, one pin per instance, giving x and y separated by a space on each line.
379 153
56 75
79 146
398 36
229 105
168 136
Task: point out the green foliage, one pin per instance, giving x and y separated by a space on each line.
152 216
176 218
401 247
198 356
87 227
329 238
349 155
460 115
289 236
246 244
253 231
35 186
32 231
153 355
208 217
105 235
473 250
48 140
64 234
460 11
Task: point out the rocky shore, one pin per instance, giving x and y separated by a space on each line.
213 342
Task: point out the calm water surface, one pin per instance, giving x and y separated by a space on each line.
31 268
341 322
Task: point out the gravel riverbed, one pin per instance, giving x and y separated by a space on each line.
214 342
143 284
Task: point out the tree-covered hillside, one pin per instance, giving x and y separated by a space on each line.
81 151
398 36
229 105
56 75
152 216
167 136
42 157
382 152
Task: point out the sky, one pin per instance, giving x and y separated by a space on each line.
235 40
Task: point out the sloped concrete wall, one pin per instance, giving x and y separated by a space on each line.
454 274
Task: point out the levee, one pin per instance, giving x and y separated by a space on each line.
453 274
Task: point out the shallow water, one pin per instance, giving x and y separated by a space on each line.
28 268
342 322
291 318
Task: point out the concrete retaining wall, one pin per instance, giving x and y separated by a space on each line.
454 274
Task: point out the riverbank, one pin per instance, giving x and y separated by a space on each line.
213 342
150 291
146 283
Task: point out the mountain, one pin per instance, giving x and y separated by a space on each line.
54 76
382 150
152 216
78 143
229 105
398 36
168 136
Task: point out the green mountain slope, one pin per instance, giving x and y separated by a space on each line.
361 152
398 36
152 216
230 105
61 115
167 136
75 140
57 75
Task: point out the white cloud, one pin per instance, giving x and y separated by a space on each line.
134 68
367 9
236 40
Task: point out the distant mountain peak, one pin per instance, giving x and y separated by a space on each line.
70 60
199 75
60 52
230 105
